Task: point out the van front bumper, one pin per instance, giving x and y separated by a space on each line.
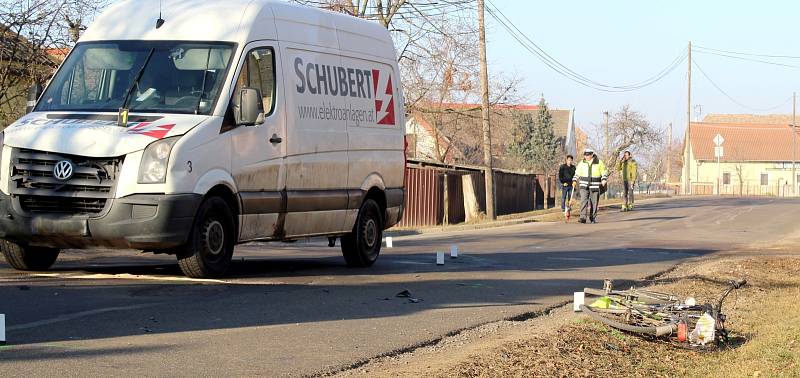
141 221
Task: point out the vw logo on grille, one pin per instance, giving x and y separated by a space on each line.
63 170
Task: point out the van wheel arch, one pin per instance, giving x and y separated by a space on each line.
230 198
379 196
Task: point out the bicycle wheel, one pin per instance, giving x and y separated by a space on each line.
610 319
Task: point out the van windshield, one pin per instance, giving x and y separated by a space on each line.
173 77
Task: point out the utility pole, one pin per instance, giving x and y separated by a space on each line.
487 131
607 152
687 142
794 143
669 154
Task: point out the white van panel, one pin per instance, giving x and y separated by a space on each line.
306 28
364 38
315 223
202 150
186 20
316 142
255 226
376 147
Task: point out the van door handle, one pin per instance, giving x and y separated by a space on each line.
275 139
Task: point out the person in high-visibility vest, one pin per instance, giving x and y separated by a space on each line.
590 176
627 168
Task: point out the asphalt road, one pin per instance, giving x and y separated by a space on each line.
296 309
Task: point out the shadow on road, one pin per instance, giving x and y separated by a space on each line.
268 292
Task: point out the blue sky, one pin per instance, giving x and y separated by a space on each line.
626 41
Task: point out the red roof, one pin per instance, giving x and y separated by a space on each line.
463 106
744 141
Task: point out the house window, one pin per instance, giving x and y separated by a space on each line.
764 179
726 178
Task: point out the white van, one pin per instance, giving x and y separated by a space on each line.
210 124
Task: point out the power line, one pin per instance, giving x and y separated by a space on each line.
694 62
748 54
565 71
746 59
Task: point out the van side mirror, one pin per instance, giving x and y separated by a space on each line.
34 92
250 110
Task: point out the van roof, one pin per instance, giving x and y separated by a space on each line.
239 21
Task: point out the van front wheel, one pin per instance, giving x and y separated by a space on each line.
362 247
22 257
209 250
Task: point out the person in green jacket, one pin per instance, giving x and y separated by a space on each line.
627 168
590 176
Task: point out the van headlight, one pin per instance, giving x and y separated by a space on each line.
153 168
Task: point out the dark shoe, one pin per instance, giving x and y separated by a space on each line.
582 220
593 221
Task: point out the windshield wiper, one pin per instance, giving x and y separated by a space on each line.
122 116
203 88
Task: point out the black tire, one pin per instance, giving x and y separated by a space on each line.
362 247
209 251
665 329
27 257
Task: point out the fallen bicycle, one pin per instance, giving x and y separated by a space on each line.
659 315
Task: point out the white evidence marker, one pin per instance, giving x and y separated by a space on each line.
439 258
2 329
453 251
578 300
389 243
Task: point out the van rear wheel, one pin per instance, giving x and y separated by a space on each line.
25 257
362 247
209 251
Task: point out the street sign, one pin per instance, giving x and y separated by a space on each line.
718 140
718 152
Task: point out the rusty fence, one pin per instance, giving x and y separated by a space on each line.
437 194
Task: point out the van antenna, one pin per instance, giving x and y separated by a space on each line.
160 20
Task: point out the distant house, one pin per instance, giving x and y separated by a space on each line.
453 133
756 155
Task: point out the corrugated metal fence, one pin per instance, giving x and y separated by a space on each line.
426 202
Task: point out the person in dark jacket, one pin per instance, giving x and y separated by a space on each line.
565 174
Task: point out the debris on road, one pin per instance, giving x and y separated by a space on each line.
407 294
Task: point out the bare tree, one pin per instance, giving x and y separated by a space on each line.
29 31
627 130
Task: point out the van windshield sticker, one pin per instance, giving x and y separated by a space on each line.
138 128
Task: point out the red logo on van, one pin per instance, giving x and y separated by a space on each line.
384 100
147 128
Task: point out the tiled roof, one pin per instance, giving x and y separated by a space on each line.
744 141
18 49
764 119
